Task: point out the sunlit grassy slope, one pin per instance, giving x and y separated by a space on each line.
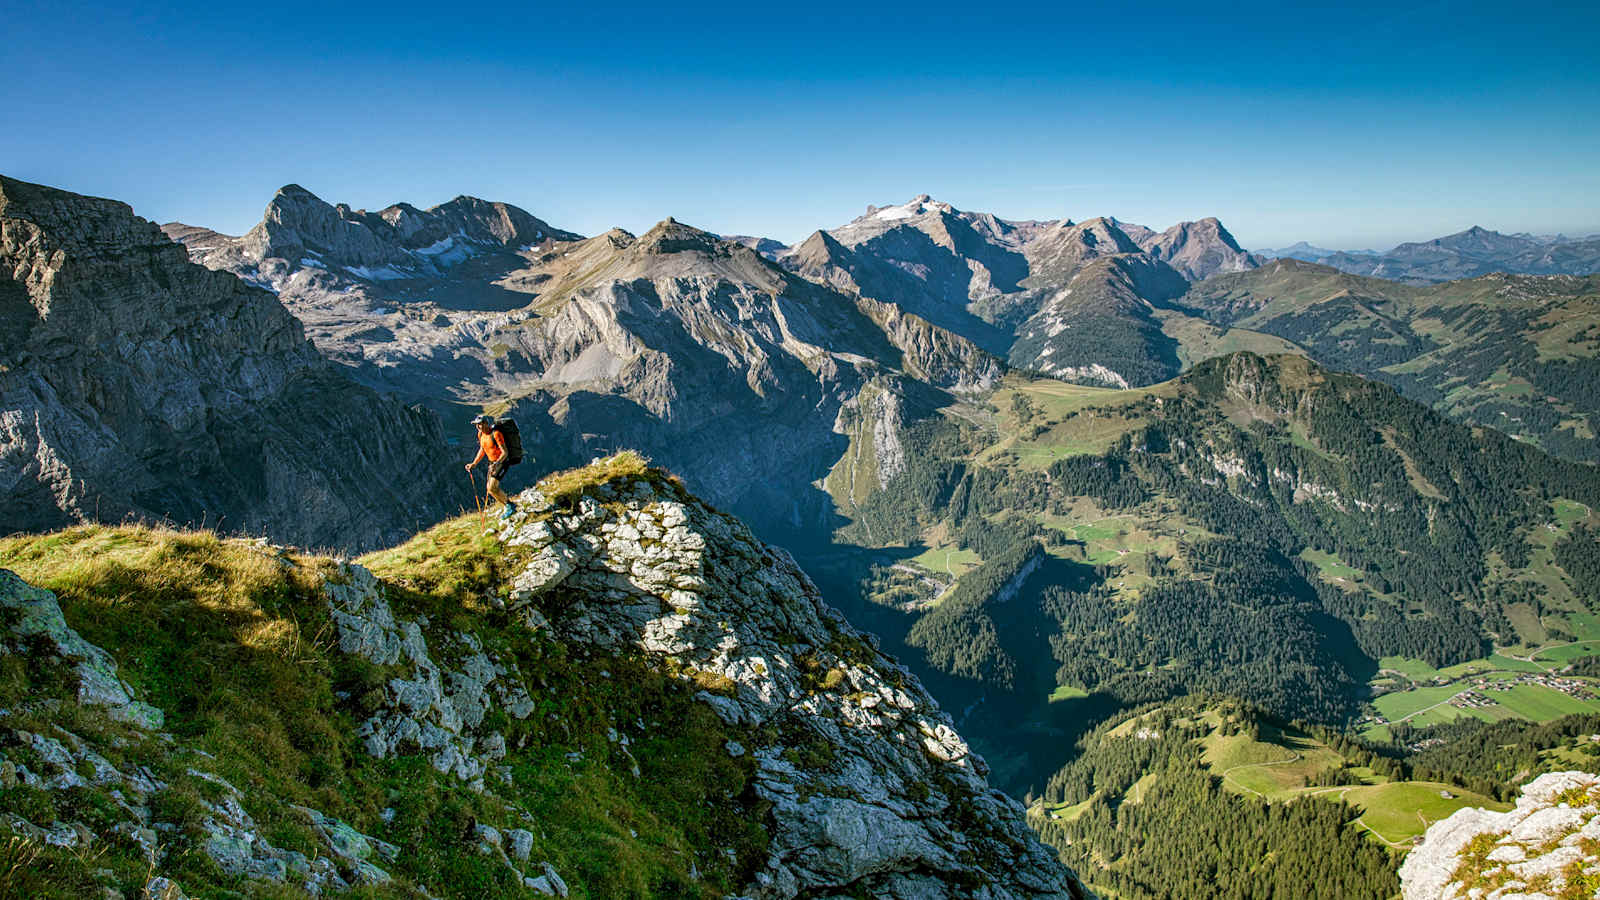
233 641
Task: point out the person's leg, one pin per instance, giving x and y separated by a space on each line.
495 492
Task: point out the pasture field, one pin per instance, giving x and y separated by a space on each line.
1565 653
1331 567
1276 767
1428 705
1400 811
1067 692
949 560
1400 705
1062 420
1199 340
1281 765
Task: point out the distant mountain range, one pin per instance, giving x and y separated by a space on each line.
682 343
1308 252
1466 254
1019 289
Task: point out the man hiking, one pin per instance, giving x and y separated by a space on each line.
502 453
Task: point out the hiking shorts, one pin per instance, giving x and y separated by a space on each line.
497 469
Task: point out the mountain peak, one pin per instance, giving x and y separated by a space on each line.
920 205
671 236
1201 248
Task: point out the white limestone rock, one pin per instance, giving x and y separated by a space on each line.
865 778
1538 844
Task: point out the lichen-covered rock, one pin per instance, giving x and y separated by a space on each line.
433 708
37 615
1531 852
871 789
65 763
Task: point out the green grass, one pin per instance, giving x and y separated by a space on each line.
1569 512
1139 788
1095 532
950 560
233 641
1498 661
1067 420
1281 764
1070 811
1406 703
1569 652
1199 340
1422 706
1585 626
1276 767
1417 670
1525 620
1330 565
1541 704
1400 811
1413 668
1067 692
1299 438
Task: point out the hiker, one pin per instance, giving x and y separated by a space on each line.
501 442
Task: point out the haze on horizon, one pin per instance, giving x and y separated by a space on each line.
1359 127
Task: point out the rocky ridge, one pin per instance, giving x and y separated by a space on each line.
135 383
1546 848
855 778
902 808
1014 287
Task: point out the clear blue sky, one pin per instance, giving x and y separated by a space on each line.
1349 127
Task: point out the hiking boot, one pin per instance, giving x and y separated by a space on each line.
506 513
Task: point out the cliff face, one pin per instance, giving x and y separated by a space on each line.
134 383
620 692
1548 847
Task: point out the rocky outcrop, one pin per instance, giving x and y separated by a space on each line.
1543 849
871 789
60 762
135 383
856 781
299 229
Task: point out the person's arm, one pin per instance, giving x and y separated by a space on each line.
476 458
500 441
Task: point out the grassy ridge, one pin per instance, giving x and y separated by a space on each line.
232 639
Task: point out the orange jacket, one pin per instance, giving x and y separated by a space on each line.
492 445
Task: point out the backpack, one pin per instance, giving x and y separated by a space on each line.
508 430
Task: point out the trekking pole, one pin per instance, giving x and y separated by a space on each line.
475 498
